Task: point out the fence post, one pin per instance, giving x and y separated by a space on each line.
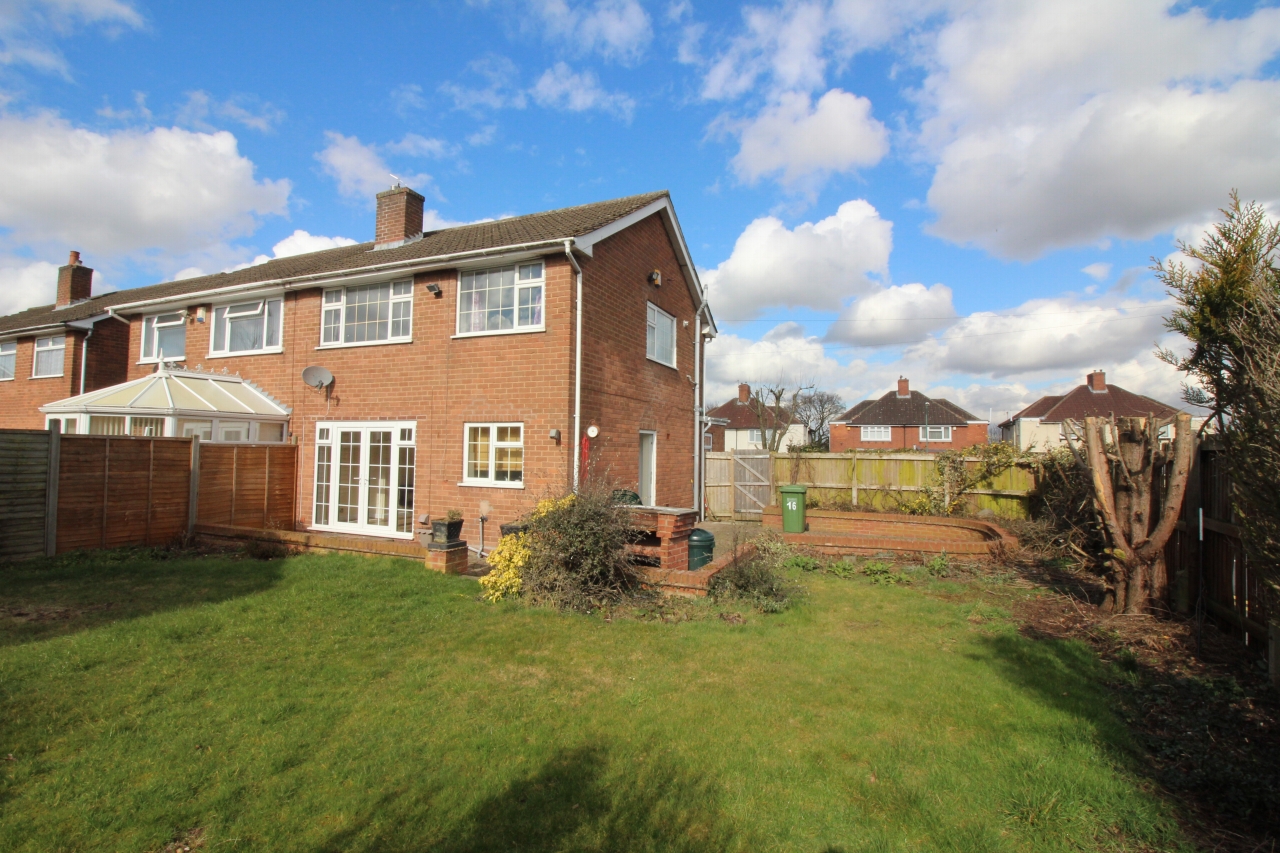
51 488
193 488
854 476
1191 503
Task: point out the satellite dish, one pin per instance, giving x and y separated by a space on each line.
317 377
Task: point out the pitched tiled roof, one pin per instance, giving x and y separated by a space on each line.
532 228
743 415
909 411
1081 402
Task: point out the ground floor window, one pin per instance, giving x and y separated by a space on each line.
935 433
494 455
365 477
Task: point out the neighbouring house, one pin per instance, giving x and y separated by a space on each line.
744 424
476 368
55 351
1039 426
906 420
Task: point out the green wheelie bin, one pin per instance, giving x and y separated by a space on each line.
793 508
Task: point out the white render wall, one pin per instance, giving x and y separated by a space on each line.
740 439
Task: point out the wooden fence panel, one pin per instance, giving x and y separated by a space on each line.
24 478
248 485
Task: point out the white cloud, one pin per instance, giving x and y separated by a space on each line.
817 265
200 106
785 355
798 140
28 27
1045 336
1058 125
415 145
483 136
26 285
407 98
123 192
300 243
501 85
1098 271
359 169
897 315
784 45
560 87
619 30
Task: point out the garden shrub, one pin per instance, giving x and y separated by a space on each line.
939 566
883 573
760 581
578 557
507 560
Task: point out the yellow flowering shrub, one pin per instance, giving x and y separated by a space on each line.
507 559
548 505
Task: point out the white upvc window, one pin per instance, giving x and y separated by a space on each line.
660 337
8 359
505 299
935 433
494 455
252 326
49 358
877 433
368 314
164 336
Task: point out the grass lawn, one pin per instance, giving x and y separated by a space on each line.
342 703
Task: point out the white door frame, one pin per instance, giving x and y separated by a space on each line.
653 469
325 516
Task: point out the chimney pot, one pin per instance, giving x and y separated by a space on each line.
904 388
399 217
744 392
75 281
1097 381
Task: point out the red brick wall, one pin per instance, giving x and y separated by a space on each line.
624 392
108 358
845 437
21 397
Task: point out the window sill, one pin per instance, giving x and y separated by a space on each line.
174 360
485 484
656 361
7 378
252 352
49 376
366 344
542 328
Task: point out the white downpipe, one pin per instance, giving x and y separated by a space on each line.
577 368
697 412
84 355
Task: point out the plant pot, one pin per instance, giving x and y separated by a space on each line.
512 528
444 532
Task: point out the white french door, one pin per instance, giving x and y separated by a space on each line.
365 477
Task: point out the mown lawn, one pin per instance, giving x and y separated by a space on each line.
341 703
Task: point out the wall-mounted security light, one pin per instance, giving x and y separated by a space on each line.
554 435
655 278
434 290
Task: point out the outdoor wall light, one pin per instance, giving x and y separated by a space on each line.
434 289
655 278
554 435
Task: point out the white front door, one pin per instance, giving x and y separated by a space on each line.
648 467
365 477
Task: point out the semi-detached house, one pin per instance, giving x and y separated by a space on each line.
478 368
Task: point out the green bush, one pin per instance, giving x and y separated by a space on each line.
578 557
883 573
761 580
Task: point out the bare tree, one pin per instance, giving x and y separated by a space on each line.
774 406
816 410
1125 475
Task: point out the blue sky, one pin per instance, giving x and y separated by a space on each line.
967 193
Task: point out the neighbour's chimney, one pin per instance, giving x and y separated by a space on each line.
744 392
399 217
75 282
1097 381
903 389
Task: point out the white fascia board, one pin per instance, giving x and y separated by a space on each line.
586 243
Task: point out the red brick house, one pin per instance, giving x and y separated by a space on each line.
481 366
906 420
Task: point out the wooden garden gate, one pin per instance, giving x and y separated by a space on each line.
752 487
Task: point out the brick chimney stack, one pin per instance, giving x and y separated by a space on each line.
75 282
1097 381
744 392
904 389
399 216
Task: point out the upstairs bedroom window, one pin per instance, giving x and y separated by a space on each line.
49 356
368 313
507 299
247 327
935 433
660 336
8 359
877 433
164 336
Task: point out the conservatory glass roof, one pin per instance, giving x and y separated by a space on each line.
177 392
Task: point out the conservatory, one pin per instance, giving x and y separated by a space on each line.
214 406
